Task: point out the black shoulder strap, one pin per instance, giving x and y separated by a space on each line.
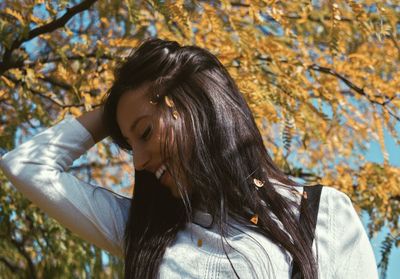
310 200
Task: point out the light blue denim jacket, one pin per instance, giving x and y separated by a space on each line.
38 168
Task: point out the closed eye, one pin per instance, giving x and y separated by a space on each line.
146 133
143 137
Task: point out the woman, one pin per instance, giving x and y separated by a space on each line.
208 200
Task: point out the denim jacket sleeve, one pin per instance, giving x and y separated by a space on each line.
38 169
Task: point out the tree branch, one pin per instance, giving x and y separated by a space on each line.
395 43
41 94
7 64
72 57
21 249
12 266
97 165
357 89
57 82
396 198
238 4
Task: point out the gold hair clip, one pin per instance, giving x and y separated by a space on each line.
175 114
168 101
171 104
258 182
254 219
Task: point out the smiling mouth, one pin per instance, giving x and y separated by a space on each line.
160 171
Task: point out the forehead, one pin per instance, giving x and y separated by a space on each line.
133 104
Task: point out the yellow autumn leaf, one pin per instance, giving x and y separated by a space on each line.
75 111
15 14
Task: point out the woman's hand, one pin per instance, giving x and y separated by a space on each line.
92 121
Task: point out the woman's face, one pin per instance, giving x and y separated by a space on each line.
136 118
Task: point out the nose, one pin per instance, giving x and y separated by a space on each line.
140 159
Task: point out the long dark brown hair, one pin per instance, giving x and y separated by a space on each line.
216 143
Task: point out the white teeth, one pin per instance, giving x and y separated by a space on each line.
160 171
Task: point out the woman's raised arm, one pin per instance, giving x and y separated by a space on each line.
92 122
38 168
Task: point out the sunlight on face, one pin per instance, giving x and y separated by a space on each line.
136 118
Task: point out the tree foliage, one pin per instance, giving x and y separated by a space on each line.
320 76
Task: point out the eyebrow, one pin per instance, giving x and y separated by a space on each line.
134 123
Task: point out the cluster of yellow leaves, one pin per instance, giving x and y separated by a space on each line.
371 184
321 78
282 83
268 47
